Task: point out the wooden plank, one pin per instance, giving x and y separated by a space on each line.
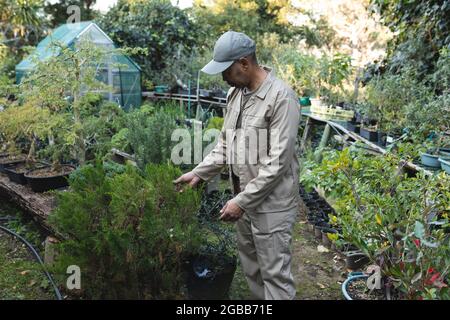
39 205
186 98
372 145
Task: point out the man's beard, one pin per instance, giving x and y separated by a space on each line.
231 84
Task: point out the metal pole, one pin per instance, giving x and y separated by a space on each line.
189 98
198 87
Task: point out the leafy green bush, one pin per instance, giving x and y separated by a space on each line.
215 123
120 140
150 136
311 76
165 31
422 30
389 95
400 222
105 121
130 233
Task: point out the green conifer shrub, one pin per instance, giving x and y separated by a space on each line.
150 136
130 233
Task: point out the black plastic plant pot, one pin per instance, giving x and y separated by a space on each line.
313 221
318 227
347 247
369 135
5 163
208 281
318 232
382 139
15 176
355 260
310 203
353 126
325 231
43 184
18 176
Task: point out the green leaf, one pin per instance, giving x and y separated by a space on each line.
419 230
430 244
416 277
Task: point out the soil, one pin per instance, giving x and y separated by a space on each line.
23 167
8 159
51 172
318 275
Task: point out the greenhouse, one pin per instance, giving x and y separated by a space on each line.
119 72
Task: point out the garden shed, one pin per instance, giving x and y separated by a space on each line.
120 72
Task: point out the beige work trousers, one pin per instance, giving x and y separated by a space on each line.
264 244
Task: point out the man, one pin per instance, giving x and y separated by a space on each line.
266 189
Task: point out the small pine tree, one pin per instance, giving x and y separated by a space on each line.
130 233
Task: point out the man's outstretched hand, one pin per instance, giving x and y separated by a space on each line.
190 178
231 212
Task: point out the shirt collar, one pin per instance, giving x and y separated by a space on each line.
267 83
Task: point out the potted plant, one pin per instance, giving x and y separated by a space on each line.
161 89
130 231
33 125
211 271
313 77
55 154
370 133
355 287
58 85
353 125
430 157
10 137
445 164
397 222
11 159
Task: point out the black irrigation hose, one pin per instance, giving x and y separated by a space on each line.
38 258
7 218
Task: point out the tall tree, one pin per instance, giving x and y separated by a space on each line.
58 11
22 24
253 17
166 31
422 29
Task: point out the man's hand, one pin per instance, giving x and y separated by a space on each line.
190 178
231 212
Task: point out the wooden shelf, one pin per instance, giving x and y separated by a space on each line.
221 102
357 137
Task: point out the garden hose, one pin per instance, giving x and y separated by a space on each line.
7 218
38 258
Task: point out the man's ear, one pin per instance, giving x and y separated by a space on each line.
245 63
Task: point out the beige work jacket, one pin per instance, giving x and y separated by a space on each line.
262 152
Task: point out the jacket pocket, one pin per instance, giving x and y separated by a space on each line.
255 121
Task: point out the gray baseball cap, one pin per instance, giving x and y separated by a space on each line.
230 47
